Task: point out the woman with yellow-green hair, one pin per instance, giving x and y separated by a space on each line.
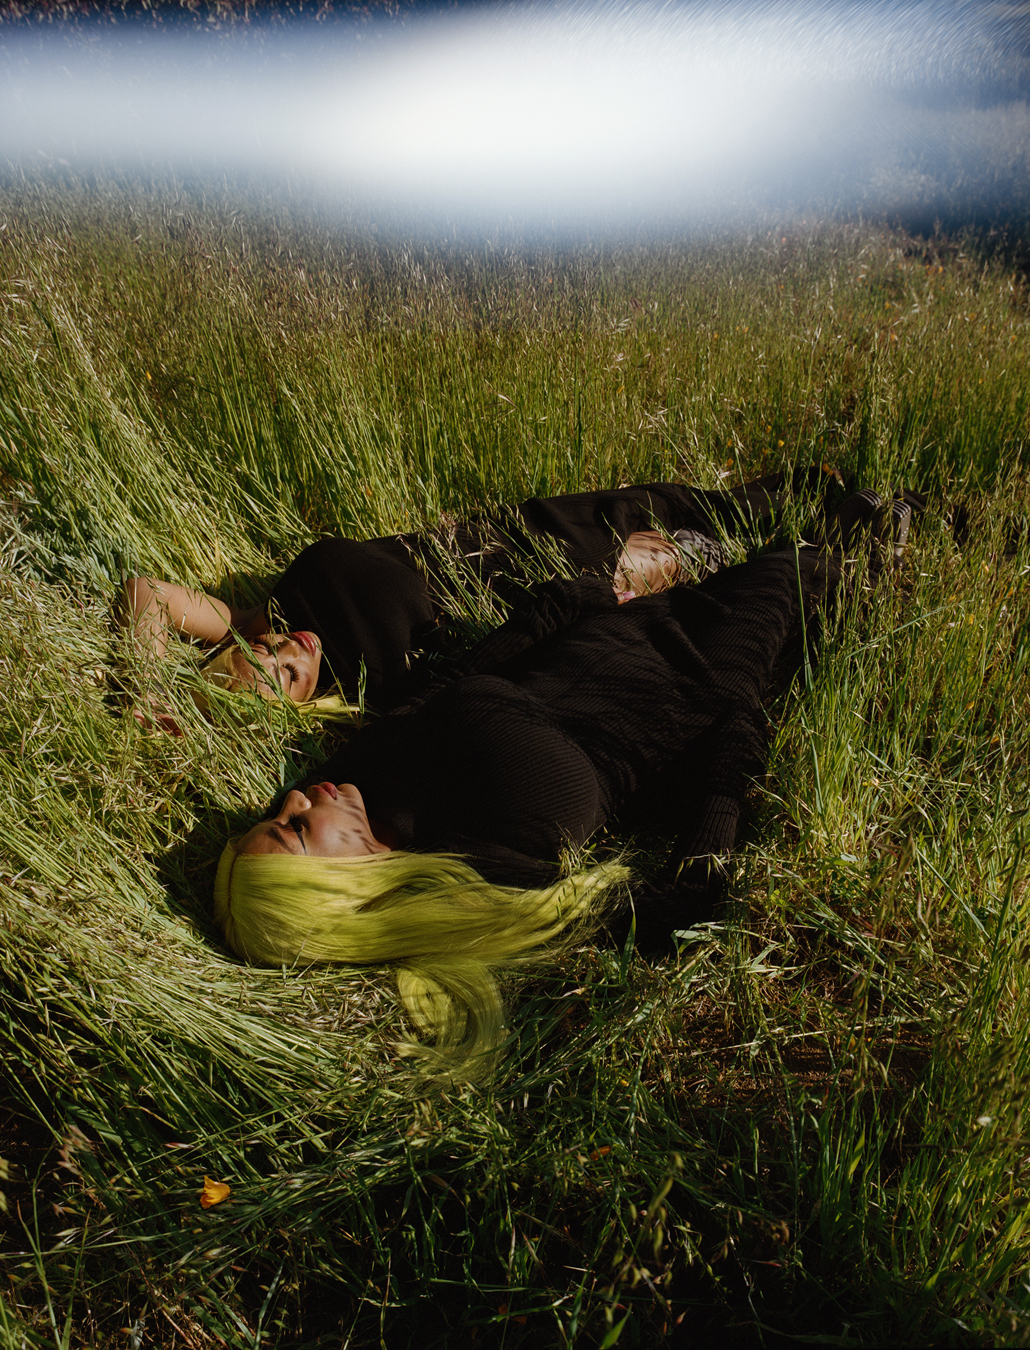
435 838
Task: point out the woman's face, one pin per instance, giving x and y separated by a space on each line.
324 822
278 662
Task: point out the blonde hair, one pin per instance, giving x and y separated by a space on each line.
434 917
219 670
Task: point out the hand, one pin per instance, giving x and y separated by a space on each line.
157 716
648 563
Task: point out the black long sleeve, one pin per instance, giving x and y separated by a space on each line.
548 608
374 603
580 709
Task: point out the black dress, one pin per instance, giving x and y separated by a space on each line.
375 604
578 709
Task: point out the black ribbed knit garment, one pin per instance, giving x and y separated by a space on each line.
375 603
578 709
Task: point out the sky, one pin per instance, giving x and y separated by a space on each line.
569 113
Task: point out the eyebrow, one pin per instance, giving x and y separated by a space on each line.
280 835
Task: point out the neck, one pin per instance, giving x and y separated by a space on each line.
384 834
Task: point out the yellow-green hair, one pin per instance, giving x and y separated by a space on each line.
431 915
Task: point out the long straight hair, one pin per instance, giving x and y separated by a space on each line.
443 927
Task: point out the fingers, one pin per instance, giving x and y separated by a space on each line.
647 564
157 718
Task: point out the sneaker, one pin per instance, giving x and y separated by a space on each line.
890 526
701 554
855 514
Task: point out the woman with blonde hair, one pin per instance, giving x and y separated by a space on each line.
437 838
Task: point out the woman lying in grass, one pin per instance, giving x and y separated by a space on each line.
348 610
434 838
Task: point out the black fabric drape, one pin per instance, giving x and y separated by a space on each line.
577 709
374 603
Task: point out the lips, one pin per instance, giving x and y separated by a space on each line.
328 788
307 641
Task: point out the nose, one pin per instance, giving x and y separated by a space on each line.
295 801
287 644
277 649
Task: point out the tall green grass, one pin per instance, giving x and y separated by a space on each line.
811 1122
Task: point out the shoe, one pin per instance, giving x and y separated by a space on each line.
700 552
855 514
890 527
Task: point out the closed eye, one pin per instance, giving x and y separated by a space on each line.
288 674
296 824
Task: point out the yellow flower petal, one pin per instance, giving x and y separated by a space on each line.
214 1193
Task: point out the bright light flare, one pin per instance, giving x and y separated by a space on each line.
522 111
539 112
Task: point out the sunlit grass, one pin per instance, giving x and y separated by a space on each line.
812 1120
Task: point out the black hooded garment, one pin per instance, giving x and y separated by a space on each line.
375 604
578 709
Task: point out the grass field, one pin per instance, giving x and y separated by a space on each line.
810 1124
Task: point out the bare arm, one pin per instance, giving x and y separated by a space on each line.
151 610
